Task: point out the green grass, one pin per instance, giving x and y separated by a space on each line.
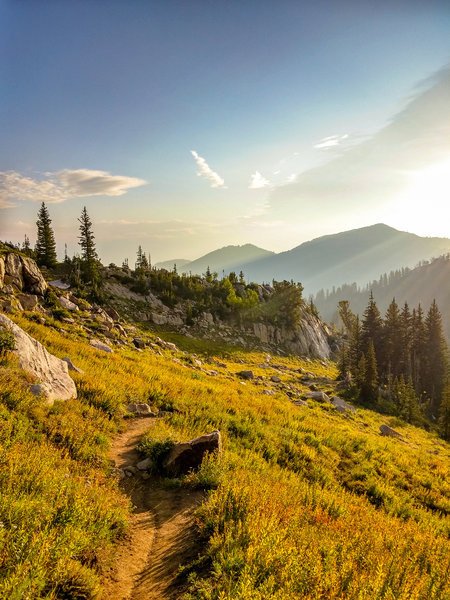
306 503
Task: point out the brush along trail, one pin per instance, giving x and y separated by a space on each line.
162 533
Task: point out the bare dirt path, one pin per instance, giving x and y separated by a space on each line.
162 535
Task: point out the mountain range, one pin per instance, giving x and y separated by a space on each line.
427 282
359 255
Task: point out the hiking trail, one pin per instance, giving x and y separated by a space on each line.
162 534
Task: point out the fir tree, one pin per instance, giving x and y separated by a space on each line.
436 357
406 341
355 347
89 256
369 379
45 245
372 326
391 347
444 412
418 349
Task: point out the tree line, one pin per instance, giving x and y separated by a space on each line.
400 361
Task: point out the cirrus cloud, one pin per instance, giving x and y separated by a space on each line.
61 185
206 172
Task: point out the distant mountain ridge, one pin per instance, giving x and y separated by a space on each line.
358 255
228 258
425 283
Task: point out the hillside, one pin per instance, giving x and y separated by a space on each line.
306 499
169 264
425 283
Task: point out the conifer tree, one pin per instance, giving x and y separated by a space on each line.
391 347
444 412
355 347
406 341
436 357
45 244
370 378
372 326
418 345
89 256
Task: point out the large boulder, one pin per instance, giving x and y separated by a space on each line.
51 372
23 273
389 432
318 396
98 345
245 375
189 455
341 405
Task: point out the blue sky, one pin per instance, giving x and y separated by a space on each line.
302 119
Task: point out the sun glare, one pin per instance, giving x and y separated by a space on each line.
424 206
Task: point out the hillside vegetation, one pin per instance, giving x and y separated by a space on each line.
306 502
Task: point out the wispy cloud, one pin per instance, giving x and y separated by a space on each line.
331 141
206 172
59 186
378 169
257 181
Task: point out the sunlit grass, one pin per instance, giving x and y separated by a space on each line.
309 503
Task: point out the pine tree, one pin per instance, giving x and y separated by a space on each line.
406 342
355 350
444 412
89 256
436 357
418 349
369 379
372 327
391 347
45 245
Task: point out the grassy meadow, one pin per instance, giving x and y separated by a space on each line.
306 503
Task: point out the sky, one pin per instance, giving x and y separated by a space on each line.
184 126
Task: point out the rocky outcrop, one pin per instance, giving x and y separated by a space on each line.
341 405
189 455
309 338
51 372
99 345
22 273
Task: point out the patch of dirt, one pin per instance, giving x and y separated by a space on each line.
162 534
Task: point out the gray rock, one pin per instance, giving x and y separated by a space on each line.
71 366
189 455
145 465
51 372
28 301
141 409
341 405
318 396
275 379
98 345
139 343
60 285
268 392
389 432
111 312
245 375
300 402
67 304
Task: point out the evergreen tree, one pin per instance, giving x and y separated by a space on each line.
436 357
406 400
406 342
355 347
89 256
372 327
369 379
138 263
391 347
346 315
45 245
343 364
444 412
418 349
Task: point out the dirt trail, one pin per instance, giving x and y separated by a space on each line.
162 534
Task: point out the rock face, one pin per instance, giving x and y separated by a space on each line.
389 432
189 455
309 338
22 273
52 373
